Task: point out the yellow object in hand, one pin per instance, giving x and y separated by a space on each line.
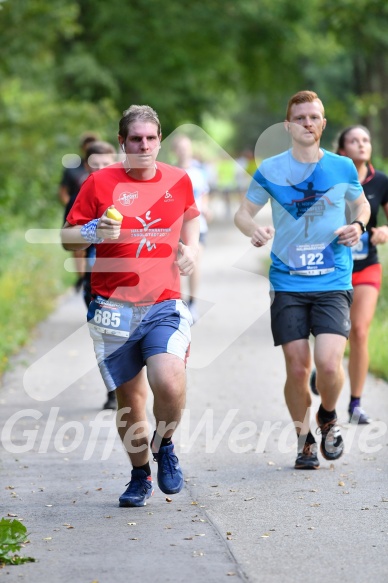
114 214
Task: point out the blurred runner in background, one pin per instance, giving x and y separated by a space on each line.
355 143
71 182
183 149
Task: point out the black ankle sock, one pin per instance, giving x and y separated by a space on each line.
326 415
166 441
309 438
146 468
163 440
356 401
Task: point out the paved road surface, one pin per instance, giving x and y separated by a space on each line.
245 513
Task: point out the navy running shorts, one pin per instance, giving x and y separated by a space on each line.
125 335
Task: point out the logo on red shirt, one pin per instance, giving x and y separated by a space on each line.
127 198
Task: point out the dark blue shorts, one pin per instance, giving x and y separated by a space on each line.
125 336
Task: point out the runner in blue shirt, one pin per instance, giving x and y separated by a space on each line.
310 275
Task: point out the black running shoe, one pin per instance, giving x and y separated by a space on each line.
111 402
332 444
313 382
358 416
307 458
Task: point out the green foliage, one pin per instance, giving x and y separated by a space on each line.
38 130
168 57
38 125
13 535
31 277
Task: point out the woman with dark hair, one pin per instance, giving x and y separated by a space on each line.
355 143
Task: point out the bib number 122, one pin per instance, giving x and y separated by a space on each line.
311 259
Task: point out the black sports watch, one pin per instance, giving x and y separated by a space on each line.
362 225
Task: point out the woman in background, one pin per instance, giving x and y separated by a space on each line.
355 142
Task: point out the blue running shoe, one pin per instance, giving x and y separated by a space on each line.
170 476
139 489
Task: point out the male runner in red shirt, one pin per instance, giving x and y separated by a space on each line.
137 318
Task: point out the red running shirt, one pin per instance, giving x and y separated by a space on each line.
139 266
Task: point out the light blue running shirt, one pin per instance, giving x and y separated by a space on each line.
308 205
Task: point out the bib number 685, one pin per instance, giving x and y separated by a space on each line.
107 318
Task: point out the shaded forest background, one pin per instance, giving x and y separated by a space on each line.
68 66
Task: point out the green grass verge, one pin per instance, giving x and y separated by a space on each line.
31 278
378 337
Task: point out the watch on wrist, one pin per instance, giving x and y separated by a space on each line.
362 225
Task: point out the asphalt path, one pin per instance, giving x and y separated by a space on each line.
245 514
